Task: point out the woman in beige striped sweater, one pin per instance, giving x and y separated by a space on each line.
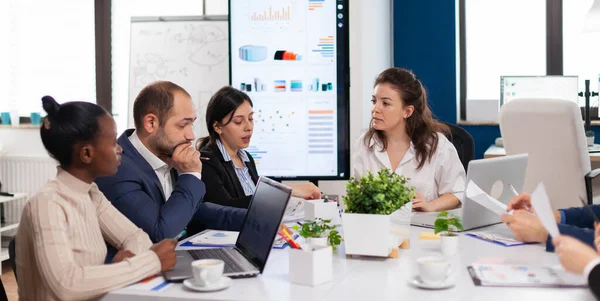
60 244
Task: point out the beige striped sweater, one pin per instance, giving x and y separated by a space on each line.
60 249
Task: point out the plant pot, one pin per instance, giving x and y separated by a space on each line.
375 234
590 140
319 209
317 241
311 267
449 244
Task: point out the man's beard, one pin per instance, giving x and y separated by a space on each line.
162 145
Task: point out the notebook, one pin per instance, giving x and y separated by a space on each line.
496 239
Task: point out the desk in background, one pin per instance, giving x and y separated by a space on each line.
360 278
498 151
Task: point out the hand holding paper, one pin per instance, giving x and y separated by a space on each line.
479 196
541 204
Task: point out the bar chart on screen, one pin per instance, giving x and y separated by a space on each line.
272 14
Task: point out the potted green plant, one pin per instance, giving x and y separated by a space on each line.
446 224
377 213
590 137
319 232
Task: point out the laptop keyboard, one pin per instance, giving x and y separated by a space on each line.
234 261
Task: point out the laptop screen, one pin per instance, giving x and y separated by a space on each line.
262 220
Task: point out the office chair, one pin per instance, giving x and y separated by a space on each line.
551 132
463 142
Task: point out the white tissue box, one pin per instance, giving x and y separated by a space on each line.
320 209
311 267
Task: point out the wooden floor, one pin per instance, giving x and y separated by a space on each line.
9 281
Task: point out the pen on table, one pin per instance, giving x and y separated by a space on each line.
181 234
285 228
516 193
590 209
290 240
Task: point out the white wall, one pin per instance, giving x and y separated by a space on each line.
24 142
370 53
217 7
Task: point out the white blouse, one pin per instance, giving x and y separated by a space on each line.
443 174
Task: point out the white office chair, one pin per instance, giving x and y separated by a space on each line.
551 131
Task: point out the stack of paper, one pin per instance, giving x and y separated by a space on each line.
294 211
479 196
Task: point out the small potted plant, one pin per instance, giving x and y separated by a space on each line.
313 264
377 215
446 224
590 137
319 232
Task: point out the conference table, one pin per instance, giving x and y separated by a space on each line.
365 278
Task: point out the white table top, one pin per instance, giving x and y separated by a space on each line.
361 278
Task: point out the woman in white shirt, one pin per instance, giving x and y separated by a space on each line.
404 137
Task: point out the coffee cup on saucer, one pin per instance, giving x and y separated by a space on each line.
434 270
207 272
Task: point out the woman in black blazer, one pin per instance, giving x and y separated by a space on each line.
228 171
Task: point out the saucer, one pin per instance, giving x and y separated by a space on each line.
416 281
224 283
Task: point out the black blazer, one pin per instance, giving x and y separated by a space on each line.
594 281
222 184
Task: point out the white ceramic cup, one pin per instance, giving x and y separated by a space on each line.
207 272
433 270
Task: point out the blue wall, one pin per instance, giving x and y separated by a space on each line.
425 42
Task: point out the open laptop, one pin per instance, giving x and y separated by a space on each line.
249 256
493 176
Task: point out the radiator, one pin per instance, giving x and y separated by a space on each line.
23 174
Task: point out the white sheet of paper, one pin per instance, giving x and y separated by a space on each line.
479 196
214 237
541 204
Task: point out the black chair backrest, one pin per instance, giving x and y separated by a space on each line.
11 257
3 296
463 142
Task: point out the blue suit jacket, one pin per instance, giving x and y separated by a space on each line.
136 191
577 222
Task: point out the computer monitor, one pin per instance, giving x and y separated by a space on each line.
549 86
293 60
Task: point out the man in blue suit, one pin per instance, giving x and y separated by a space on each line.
526 226
158 185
